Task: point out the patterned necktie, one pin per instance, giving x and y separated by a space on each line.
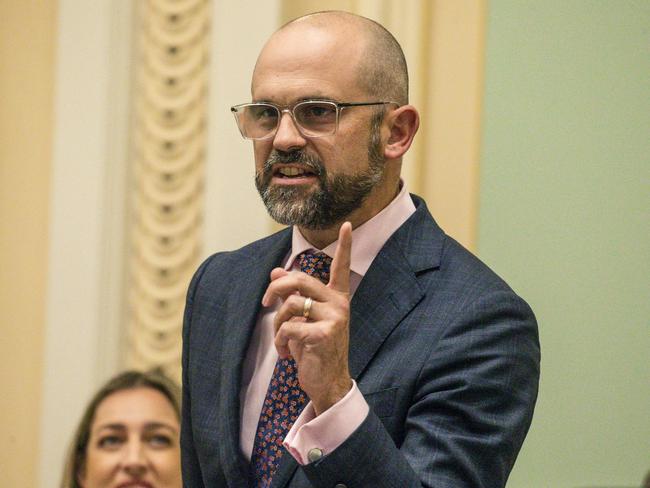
284 398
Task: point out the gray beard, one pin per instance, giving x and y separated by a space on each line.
335 197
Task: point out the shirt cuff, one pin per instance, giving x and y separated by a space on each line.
330 429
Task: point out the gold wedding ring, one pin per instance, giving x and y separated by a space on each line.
306 308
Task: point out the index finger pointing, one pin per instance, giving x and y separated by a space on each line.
340 269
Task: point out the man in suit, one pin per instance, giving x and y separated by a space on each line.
402 362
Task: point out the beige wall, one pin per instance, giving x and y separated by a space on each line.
234 213
27 33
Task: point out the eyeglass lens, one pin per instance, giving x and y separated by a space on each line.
258 121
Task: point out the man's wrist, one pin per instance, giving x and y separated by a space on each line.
332 396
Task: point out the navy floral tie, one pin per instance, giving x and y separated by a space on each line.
284 398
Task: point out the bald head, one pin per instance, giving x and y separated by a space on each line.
379 63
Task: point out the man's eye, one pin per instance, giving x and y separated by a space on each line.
318 111
109 442
261 113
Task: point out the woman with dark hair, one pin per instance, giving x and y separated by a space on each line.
128 436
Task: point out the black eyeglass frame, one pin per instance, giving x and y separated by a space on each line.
290 109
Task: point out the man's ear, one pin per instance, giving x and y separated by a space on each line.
403 123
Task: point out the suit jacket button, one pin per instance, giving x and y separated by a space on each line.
314 454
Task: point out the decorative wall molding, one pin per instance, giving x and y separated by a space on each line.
168 153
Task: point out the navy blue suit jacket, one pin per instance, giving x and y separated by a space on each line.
444 352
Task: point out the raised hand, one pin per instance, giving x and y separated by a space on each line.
320 343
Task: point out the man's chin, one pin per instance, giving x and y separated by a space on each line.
286 215
293 206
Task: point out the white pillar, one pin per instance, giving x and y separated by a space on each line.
84 296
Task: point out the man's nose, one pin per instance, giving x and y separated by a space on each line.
287 138
134 459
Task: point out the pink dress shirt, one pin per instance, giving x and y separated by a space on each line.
330 429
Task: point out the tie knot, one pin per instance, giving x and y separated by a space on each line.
316 264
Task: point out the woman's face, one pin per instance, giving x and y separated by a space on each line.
134 442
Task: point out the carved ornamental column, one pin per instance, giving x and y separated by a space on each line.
167 161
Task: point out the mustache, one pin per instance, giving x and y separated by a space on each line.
277 157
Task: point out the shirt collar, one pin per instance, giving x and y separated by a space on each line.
367 239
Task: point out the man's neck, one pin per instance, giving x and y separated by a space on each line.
322 238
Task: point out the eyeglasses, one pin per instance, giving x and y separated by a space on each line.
313 118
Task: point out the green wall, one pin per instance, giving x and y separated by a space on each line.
565 218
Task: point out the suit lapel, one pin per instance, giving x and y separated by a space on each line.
242 309
390 289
